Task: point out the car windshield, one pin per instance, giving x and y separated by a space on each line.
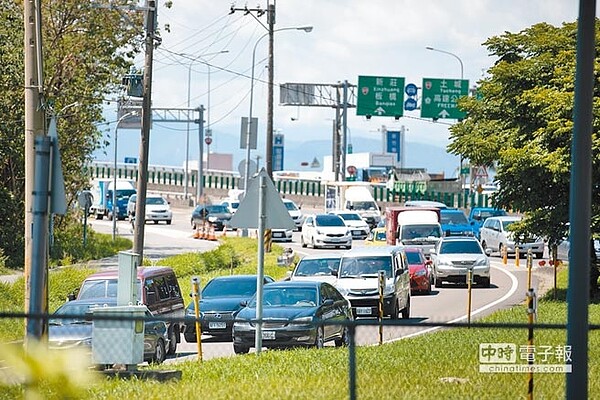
454 219
485 214
70 309
155 201
320 267
290 206
414 257
364 205
288 297
460 247
329 220
352 267
350 217
99 288
124 193
229 288
506 224
217 209
410 232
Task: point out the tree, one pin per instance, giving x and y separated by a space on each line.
522 122
86 51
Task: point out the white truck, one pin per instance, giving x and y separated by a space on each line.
355 197
102 197
412 226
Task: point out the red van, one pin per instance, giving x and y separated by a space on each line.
158 289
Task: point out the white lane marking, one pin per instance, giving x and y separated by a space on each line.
513 289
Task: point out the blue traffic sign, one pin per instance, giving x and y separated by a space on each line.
410 104
411 90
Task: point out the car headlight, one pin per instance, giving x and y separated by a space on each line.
343 291
241 324
87 342
389 289
212 219
303 319
481 262
319 232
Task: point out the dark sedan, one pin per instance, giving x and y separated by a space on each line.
292 312
217 215
71 327
220 300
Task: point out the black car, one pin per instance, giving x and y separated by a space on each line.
292 312
220 300
217 215
75 329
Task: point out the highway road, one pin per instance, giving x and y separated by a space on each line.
447 304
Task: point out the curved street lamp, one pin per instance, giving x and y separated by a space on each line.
306 29
450 54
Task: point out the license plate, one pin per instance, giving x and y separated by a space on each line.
356 232
363 310
268 335
217 325
277 234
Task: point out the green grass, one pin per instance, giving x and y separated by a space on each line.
444 364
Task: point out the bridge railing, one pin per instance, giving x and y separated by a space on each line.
225 180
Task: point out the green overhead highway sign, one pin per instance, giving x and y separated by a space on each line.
380 96
439 98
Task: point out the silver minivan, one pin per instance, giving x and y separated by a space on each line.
495 236
358 281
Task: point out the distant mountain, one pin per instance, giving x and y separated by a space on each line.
168 148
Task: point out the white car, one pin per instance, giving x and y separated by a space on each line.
455 255
358 226
158 209
281 235
495 235
317 268
294 212
231 204
323 230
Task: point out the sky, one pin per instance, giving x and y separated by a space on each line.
349 38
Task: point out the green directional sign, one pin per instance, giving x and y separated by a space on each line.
439 98
380 96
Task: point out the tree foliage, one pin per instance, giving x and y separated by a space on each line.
86 51
522 121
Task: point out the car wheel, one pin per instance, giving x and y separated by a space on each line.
193 224
314 246
239 349
501 249
172 342
484 245
168 222
485 282
159 352
302 242
190 337
395 310
539 255
320 339
406 310
344 340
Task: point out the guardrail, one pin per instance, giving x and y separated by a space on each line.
224 180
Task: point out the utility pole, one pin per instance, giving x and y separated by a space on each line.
269 147
142 184
34 123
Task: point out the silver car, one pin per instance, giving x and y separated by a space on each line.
454 256
495 235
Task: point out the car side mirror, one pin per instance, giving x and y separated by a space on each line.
488 252
244 303
328 302
334 272
71 296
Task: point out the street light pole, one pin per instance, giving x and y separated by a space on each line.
187 134
114 188
268 158
460 175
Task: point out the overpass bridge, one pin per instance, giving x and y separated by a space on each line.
216 184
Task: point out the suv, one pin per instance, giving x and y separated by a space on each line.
454 256
158 289
157 208
358 226
454 223
363 293
495 236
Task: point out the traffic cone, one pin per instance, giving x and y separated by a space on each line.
203 231
504 256
197 233
211 233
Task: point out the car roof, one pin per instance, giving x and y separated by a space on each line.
459 239
425 203
372 251
236 277
321 257
142 272
507 218
409 249
295 284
